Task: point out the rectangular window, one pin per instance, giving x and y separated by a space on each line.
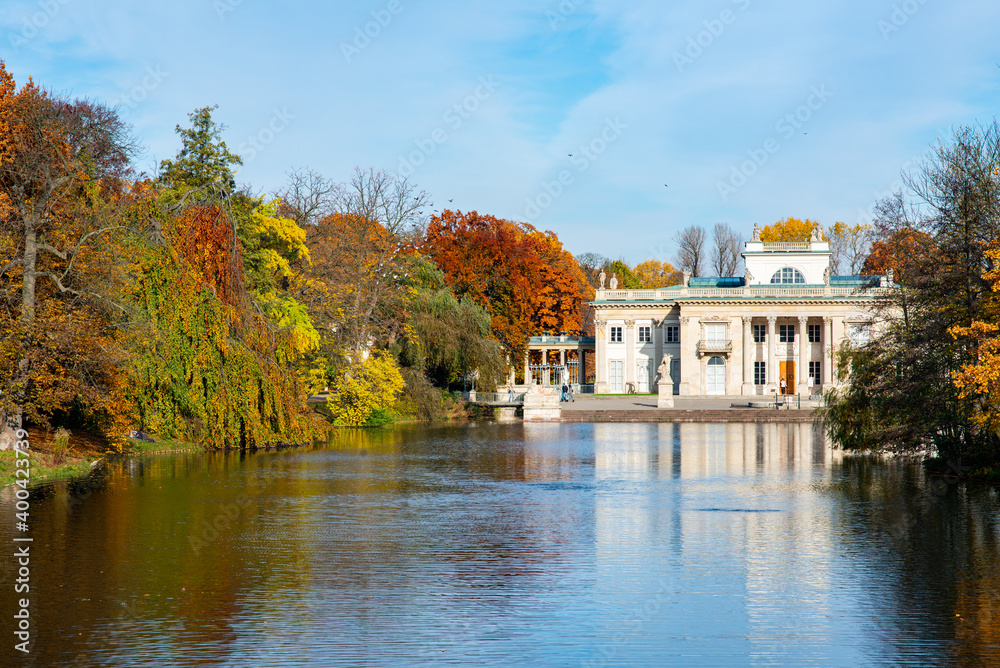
786 333
673 334
715 333
760 373
616 335
859 335
760 333
814 370
814 333
645 334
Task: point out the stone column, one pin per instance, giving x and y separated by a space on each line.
827 353
690 378
772 355
803 374
600 356
545 360
527 371
748 348
630 354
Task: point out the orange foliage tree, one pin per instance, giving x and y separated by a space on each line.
907 252
64 168
790 229
524 277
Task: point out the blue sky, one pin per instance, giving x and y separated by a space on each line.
748 110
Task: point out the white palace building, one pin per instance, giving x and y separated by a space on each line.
737 336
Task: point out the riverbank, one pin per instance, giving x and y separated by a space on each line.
642 408
85 452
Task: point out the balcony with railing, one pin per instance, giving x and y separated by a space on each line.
715 347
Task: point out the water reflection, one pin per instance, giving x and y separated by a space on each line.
538 544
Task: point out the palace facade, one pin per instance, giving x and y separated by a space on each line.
782 320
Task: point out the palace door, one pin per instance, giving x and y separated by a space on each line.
787 371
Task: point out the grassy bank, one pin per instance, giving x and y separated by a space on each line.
44 466
84 451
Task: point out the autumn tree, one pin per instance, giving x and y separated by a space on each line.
655 274
922 383
626 279
64 167
849 245
591 264
725 255
356 252
445 340
524 277
790 229
691 254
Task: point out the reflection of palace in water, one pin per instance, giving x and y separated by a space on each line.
731 514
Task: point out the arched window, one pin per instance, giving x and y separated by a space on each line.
788 275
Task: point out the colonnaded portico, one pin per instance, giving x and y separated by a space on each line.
782 321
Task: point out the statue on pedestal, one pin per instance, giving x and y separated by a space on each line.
817 235
614 281
756 233
826 276
602 277
665 385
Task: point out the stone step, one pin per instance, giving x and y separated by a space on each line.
676 415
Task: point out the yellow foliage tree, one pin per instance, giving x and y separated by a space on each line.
367 387
981 379
655 274
790 229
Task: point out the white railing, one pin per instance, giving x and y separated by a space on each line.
765 290
787 245
500 397
713 346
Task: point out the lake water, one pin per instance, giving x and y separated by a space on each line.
513 545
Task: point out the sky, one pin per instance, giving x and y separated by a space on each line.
612 124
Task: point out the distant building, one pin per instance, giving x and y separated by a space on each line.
737 336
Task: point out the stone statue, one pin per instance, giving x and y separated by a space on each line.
747 277
687 277
664 370
888 277
826 276
756 232
614 281
665 386
602 277
817 236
